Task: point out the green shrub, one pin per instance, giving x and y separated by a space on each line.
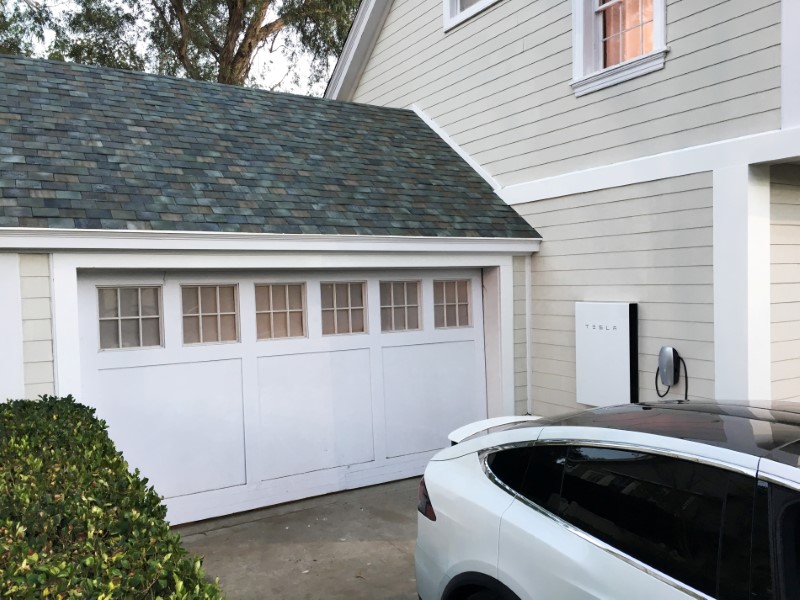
74 522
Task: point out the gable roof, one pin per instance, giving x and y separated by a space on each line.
361 39
89 148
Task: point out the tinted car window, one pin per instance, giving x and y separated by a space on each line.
533 471
666 512
542 483
761 586
509 465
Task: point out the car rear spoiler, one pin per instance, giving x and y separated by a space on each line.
459 435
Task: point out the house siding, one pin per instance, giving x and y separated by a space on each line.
500 83
785 282
521 361
647 243
37 329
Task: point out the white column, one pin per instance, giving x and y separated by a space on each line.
742 283
498 325
12 381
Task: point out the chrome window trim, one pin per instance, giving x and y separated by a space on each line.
483 456
712 462
788 483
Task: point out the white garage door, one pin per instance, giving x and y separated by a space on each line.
230 390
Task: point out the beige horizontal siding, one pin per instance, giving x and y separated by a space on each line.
499 84
37 328
785 282
647 243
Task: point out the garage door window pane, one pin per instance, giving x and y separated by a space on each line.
108 302
210 328
343 308
191 301
151 332
208 300
191 330
129 302
279 297
227 327
451 303
227 300
130 317
109 334
399 305
296 323
130 333
280 310
281 324
218 319
328 323
149 302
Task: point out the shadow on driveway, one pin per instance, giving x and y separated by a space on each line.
354 544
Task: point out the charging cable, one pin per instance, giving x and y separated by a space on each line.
685 385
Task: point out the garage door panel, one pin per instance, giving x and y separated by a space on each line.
429 391
181 424
316 411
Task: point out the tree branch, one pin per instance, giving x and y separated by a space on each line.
179 44
182 46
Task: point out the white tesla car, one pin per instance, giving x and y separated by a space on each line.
642 501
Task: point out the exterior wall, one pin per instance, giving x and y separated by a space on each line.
500 83
521 362
12 380
649 243
37 329
785 277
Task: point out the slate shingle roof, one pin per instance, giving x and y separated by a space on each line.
89 148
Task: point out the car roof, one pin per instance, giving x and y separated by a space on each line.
772 432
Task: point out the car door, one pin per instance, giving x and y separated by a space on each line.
626 523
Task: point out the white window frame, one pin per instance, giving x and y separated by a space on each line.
453 17
407 307
272 311
588 74
140 317
349 308
218 314
444 304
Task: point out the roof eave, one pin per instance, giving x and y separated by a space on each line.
28 238
357 49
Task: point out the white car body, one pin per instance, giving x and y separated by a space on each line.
485 530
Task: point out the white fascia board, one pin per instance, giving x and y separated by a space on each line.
357 49
771 146
23 238
461 152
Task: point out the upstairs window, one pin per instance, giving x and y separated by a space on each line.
627 29
458 11
616 40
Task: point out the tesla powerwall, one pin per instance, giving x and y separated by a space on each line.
606 353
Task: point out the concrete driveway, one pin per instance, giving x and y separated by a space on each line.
354 544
